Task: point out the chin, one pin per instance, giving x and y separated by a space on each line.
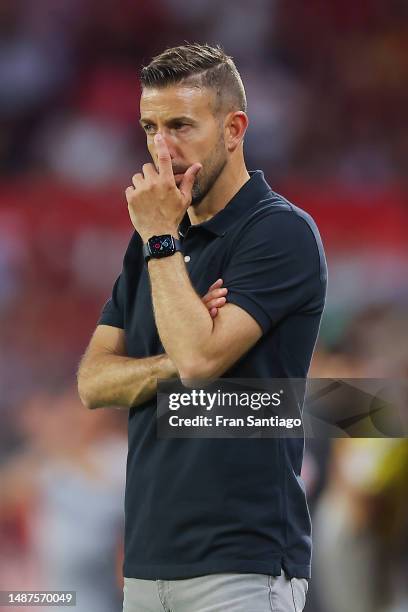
196 200
197 195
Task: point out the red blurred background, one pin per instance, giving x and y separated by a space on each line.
327 95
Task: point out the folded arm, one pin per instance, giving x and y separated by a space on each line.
200 346
107 376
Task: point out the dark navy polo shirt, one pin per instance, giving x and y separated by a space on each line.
204 506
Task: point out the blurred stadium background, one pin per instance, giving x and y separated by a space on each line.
327 86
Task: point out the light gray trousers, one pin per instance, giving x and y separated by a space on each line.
216 593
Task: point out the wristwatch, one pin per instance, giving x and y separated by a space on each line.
161 246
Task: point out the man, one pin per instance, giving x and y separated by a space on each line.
211 524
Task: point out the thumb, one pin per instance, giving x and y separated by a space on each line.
187 183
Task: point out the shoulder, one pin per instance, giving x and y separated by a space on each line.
277 229
281 220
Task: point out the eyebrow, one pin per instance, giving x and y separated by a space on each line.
182 118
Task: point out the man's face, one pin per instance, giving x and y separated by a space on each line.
184 116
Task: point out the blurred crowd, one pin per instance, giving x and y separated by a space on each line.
61 502
327 96
326 82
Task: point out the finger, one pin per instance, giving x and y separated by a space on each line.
213 312
137 179
128 193
216 303
218 283
163 158
187 183
215 293
149 171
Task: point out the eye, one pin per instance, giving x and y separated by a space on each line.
148 128
179 125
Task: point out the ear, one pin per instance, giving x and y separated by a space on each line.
235 126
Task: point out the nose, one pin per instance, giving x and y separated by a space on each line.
168 139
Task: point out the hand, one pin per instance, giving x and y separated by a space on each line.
156 205
215 297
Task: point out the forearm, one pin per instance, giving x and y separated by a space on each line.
183 322
112 380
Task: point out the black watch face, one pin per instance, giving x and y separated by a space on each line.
161 246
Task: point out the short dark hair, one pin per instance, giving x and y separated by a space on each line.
198 64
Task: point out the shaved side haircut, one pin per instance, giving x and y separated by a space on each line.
198 65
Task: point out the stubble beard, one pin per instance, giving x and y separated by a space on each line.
212 167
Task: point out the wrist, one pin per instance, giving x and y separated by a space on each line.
159 231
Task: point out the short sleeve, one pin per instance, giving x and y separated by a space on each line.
274 268
113 310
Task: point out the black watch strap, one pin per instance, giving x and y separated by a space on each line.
177 244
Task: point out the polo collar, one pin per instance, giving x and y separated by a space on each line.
251 192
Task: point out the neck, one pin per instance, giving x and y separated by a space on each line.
227 185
